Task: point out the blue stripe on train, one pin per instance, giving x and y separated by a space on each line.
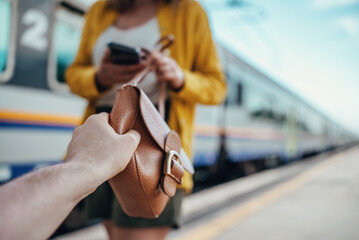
37 126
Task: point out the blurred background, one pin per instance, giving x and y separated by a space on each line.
292 71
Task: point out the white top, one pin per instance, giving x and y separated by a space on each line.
145 35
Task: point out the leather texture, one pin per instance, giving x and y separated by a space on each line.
143 188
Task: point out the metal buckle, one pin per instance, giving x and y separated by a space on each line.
172 155
129 84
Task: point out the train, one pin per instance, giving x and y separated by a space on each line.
261 124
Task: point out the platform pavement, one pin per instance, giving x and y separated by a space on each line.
320 203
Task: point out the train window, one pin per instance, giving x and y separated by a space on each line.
304 117
7 43
257 102
279 108
66 36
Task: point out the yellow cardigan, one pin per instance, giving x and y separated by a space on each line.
194 51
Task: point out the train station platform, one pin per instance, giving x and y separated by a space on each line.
315 198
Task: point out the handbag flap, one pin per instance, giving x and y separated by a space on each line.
158 128
125 111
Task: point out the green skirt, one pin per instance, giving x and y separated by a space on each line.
103 204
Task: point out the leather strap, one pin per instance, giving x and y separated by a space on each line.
169 182
163 43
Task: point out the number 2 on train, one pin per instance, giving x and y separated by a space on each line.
34 37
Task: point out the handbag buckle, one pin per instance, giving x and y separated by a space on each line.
129 84
172 155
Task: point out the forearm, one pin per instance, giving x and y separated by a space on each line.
35 205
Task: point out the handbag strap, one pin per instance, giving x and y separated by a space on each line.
162 44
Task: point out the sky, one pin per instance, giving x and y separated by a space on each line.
309 46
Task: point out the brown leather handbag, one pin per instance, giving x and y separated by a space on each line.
151 177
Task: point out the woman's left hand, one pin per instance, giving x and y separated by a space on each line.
168 71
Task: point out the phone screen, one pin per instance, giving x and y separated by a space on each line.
124 55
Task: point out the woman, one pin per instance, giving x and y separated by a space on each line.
192 71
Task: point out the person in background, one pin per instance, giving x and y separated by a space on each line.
34 205
190 68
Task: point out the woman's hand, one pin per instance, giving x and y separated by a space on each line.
109 73
168 71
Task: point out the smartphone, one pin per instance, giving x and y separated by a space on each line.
124 55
